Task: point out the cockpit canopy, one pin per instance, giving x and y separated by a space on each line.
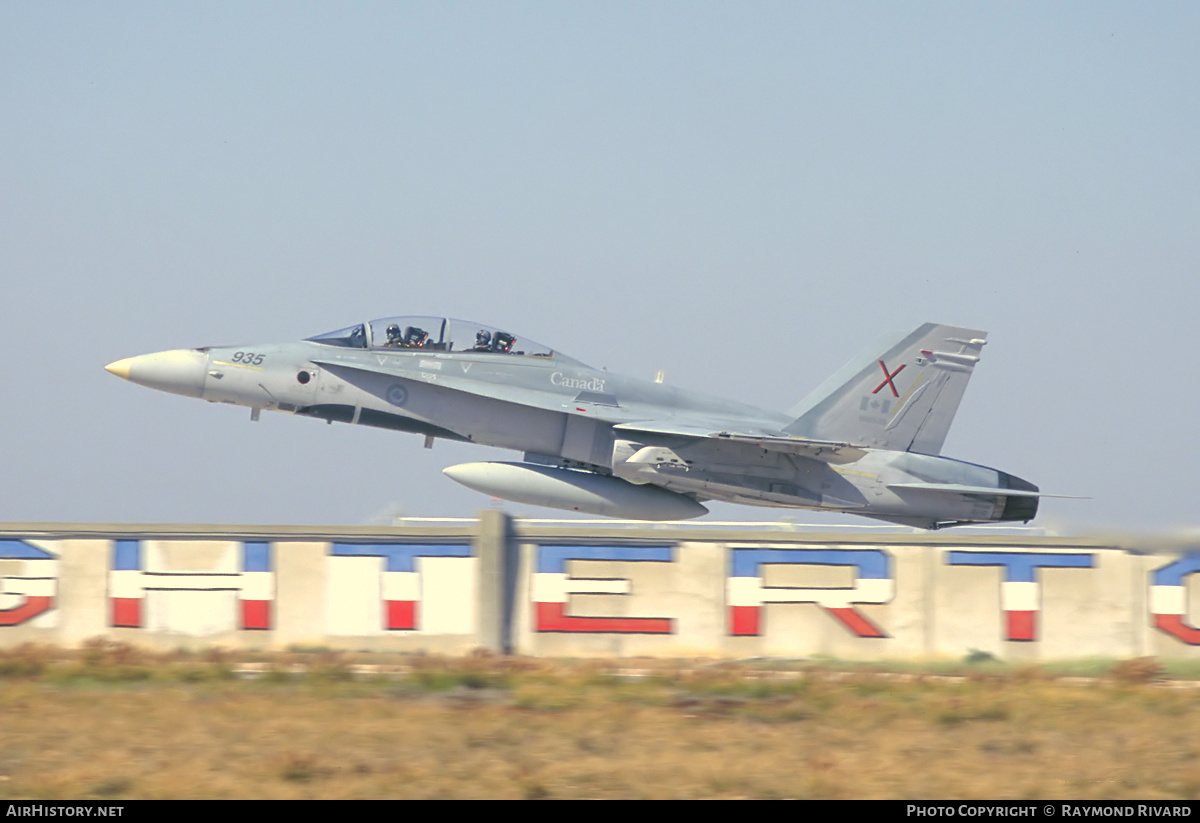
432 334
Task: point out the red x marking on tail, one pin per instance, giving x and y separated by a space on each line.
887 378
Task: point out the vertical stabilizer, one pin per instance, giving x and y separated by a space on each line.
901 395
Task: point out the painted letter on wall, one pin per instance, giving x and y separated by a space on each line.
422 586
553 587
1020 591
747 593
183 576
1168 598
28 583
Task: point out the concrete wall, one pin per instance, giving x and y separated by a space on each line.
571 591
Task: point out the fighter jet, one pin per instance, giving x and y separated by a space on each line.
867 441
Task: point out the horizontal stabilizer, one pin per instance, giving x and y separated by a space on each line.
955 488
825 450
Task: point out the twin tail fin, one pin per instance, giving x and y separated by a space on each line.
899 395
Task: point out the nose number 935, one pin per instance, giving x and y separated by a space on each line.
249 358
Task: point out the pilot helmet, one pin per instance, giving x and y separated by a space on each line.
483 338
393 331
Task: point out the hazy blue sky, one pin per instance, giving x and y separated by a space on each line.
741 194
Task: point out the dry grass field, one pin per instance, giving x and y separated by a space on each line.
113 723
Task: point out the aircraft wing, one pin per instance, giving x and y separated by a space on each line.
824 450
716 429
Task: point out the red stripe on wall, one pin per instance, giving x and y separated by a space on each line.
401 614
744 620
31 608
856 622
1173 625
1022 625
553 617
127 612
256 614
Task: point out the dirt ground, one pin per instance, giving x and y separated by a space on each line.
113 723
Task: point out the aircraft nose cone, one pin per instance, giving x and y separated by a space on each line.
179 371
120 368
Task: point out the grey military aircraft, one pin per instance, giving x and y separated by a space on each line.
867 441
